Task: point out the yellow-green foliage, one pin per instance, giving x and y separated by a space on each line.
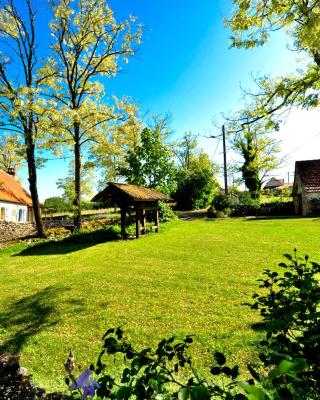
57 232
97 224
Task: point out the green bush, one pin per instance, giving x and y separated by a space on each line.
272 209
243 205
195 189
155 374
166 214
221 202
58 204
213 213
167 373
57 232
244 199
290 308
131 229
87 205
94 224
220 206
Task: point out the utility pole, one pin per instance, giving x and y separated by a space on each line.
225 160
225 172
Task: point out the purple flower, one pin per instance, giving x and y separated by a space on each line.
84 382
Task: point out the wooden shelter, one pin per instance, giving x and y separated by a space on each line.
129 197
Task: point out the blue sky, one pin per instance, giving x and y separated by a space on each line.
185 66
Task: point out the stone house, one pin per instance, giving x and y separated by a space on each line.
306 187
15 201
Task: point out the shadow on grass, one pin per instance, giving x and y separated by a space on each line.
253 218
29 316
71 243
259 326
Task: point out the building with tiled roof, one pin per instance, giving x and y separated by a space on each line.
274 183
15 201
306 187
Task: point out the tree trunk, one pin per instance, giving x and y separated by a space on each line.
30 148
255 195
77 178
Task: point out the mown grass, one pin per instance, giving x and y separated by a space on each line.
193 278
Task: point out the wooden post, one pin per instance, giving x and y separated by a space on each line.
123 222
157 220
225 172
138 222
143 221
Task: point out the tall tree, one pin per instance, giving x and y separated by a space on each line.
258 147
22 107
252 23
11 153
110 153
196 184
150 162
89 44
87 183
184 149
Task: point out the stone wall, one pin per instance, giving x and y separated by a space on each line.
311 204
12 230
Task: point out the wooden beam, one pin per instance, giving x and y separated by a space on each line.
123 222
137 208
143 221
157 221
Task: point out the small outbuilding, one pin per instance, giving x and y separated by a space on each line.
15 202
275 184
131 197
306 187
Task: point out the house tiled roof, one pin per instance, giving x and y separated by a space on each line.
309 172
132 192
12 191
274 183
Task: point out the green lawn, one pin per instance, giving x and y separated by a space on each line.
191 278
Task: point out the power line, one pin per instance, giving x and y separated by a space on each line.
217 147
225 172
299 147
58 158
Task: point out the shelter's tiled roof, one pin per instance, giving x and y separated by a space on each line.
273 183
132 192
12 191
309 172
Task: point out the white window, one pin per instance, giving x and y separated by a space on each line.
21 215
